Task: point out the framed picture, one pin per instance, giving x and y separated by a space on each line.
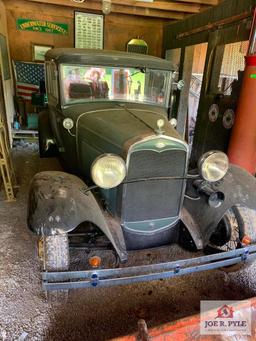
39 51
89 30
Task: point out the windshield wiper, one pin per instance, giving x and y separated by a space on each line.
141 70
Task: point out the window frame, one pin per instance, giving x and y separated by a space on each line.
52 87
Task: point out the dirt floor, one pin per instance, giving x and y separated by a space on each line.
89 314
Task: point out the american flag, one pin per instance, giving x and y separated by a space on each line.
28 77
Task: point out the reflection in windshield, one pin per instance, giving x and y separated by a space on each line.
87 83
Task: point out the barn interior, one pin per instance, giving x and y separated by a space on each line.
208 46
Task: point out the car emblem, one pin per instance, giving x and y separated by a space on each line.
160 144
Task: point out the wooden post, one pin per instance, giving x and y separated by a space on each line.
6 166
186 77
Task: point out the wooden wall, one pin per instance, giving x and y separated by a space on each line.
229 22
119 29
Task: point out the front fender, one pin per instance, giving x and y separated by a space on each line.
239 188
57 205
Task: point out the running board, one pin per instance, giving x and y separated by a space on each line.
127 275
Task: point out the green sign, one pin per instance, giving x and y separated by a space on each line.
41 26
253 75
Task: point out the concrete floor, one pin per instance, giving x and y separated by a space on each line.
90 314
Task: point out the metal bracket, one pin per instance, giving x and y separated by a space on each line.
245 255
142 331
94 280
177 269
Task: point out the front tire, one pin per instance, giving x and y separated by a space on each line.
56 253
55 256
235 224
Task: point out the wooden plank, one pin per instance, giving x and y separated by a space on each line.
6 166
200 2
148 12
160 5
116 8
183 102
218 24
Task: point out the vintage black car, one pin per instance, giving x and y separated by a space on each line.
128 176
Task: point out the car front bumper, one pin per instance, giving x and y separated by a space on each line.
127 275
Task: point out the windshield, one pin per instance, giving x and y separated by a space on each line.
81 83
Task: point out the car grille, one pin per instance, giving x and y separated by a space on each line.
154 199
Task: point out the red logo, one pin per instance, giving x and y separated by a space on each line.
225 311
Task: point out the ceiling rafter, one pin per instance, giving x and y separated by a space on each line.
164 9
160 5
116 8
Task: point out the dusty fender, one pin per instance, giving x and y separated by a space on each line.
238 187
58 205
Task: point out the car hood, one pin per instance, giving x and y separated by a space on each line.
109 130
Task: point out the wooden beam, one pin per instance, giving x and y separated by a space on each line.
160 5
200 2
116 8
149 12
218 23
184 94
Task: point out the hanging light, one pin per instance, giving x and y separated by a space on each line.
106 6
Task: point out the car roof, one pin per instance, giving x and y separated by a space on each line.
106 57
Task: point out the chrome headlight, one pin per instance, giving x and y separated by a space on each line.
213 166
108 171
68 123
